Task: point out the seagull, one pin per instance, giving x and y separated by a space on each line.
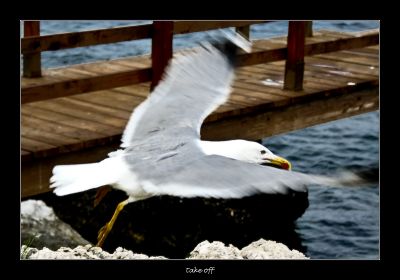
162 152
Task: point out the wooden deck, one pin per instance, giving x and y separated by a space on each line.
85 127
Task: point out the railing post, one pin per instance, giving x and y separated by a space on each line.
32 61
244 31
294 68
309 30
161 49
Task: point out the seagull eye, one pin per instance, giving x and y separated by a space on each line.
263 152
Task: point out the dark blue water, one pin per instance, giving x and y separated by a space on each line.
340 222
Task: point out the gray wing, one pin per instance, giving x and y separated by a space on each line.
193 86
220 177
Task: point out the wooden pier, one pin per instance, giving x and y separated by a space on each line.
76 114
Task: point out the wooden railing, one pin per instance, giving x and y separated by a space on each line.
161 33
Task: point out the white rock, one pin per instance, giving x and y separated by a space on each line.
215 250
87 252
36 210
40 227
263 249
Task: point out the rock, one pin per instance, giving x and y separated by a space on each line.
215 250
87 252
173 226
260 249
263 249
40 227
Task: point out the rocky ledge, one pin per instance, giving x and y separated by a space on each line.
261 249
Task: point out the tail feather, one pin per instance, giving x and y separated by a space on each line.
68 179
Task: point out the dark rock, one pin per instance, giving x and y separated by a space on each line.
173 226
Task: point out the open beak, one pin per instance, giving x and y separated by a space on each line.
280 162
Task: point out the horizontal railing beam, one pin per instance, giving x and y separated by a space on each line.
84 38
342 44
183 27
61 41
78 86
309 49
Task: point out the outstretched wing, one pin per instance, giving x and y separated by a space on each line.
220 177
193 86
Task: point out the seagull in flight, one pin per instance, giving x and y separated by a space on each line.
162 152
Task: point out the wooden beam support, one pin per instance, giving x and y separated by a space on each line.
82 85
294 68
32 67
288 118
161 49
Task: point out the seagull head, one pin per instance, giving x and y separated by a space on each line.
257 153
247 151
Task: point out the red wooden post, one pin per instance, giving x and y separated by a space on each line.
294 68
161 49
32 62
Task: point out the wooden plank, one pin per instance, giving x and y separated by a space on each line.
47 137
182 27
351 58
140 90
143 90
30 120
86 105
328 75
85 38
85 138
69 120
33 145
141 61
273 78
112 100
77 86
32 61
76 111
261 96
294 67
246 95
342 66
161 49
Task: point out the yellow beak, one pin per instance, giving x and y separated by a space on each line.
281 162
